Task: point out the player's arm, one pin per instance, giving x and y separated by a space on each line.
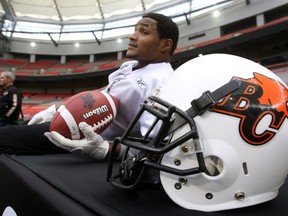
12 104
43 116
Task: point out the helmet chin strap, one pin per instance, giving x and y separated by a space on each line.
206 101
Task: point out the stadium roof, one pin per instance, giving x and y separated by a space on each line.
65 11
100 19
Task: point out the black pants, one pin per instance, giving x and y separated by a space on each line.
26 140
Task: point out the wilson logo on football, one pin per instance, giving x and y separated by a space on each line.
97 111
257 100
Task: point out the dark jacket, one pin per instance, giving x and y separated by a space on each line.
10 103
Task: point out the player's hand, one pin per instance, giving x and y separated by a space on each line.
43 116
91 145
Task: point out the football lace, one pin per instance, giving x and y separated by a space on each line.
103 122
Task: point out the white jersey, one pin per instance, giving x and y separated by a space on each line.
132 87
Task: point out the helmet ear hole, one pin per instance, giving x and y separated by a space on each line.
214 165
245 168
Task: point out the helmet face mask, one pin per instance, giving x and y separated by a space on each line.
150 150
221 125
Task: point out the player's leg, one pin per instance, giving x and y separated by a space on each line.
26 139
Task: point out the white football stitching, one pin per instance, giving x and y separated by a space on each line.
103 122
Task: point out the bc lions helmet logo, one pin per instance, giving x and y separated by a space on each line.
256 98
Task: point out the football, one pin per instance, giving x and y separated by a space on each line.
96 108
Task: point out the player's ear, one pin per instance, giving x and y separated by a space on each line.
166 45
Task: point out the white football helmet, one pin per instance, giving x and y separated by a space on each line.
221 140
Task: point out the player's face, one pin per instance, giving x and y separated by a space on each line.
4 80
145 44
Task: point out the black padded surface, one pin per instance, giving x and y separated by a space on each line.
66 184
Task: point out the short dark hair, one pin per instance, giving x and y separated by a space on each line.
166 28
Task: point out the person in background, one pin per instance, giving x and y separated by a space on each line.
10 100
150 48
